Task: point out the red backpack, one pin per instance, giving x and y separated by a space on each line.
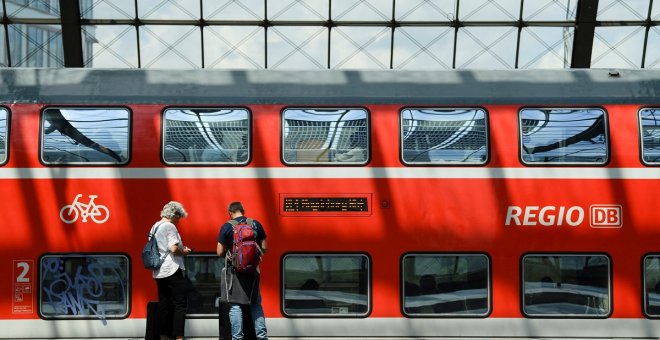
245 253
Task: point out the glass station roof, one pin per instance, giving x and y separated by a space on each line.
331 34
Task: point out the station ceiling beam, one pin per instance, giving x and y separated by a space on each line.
585 28
71 33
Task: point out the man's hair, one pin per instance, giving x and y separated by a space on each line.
236 206
172 210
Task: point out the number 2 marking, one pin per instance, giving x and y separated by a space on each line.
22 276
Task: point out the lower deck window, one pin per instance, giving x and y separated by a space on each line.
445 284
326 285
84 286
566 285
652 285
203 274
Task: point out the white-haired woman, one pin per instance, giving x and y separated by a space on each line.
172 299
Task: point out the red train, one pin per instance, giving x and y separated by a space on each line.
398 204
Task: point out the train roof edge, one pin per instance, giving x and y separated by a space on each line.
328 87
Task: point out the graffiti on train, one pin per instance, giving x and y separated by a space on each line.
84 287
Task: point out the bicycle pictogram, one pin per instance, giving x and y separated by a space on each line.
98 212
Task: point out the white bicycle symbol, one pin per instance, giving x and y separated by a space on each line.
99 213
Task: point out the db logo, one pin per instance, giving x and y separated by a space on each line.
606 216
600 216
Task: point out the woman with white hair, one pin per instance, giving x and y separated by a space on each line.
172 299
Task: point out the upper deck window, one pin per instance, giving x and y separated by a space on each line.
206 136
445 285
4 132
566 285
564 136
325 136
649 127
85 136
444 136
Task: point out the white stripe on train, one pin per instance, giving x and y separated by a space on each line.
329 173
520 328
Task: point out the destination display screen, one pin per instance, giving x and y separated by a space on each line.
326 204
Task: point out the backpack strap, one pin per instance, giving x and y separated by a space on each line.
228 268
167 251
228 253
249 221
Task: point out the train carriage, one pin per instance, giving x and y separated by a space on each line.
456 204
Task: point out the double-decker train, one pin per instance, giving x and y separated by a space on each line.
398 204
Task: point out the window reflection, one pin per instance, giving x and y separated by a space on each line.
82 136
563 136
566 285
325 136
652 285
649 120
332 285
4 145
444 136
84 286
218 136
203 274
445 284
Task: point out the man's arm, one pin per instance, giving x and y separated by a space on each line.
220 250
264 246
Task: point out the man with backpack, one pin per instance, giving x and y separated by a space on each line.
242 241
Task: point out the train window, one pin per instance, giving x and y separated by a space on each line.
85 136
444 136
564 136
566 285
332 285
445 285
652 286
203 273
84 286
206 136
4 133
649 127
325 136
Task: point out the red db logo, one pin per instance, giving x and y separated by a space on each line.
606 216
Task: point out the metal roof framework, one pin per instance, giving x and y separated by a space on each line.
581 17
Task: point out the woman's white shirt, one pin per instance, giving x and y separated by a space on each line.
167 236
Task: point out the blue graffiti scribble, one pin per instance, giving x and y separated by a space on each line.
83 293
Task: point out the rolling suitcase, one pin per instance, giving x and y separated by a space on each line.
151 332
